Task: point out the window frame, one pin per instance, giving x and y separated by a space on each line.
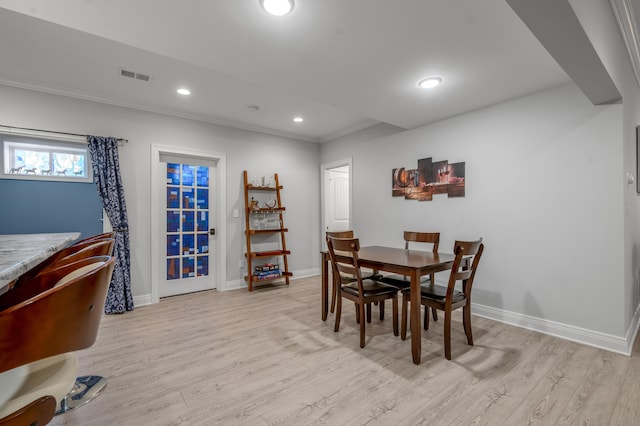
9 143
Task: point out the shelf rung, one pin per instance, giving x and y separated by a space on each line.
268 231
269 253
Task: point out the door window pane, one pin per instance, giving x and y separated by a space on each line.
187 193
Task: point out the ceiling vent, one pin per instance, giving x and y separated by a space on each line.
135 75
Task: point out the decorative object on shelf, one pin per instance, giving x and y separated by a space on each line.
428 179
268 223
254 204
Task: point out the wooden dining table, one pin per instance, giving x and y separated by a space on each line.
411 263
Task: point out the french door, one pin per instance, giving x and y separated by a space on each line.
186 259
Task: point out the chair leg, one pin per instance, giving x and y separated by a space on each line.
403 326
426 316
381 307
369 313
362 322
334 290
447 334
338 313
395 314
357 314
466 321
434 312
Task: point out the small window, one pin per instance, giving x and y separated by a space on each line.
24 158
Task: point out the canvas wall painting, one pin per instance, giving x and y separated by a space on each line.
429 178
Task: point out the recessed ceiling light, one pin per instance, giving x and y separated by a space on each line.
298 119
277 7
184 92
429 83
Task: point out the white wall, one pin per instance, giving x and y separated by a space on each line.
295 161
544 188
598 20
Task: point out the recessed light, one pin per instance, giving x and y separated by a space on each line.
429 83
277 7
298 119
184 92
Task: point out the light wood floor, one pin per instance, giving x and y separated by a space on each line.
266 358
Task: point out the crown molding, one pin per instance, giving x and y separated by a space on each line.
623 12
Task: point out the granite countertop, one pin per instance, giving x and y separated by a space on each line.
21 252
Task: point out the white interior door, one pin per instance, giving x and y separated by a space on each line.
187 203
336 188
337 200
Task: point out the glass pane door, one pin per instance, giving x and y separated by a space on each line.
187 254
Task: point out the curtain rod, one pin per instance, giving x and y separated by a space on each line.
123 141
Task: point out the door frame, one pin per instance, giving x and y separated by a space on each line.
324 168
219 241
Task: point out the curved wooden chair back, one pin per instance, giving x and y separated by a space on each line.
52 319
38 413
103 236
95 248
73 253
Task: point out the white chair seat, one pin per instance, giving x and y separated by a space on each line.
54 376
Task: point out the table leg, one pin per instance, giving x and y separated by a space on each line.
416 330
325 285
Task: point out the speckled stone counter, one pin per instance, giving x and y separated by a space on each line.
21 252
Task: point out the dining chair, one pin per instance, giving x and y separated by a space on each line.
345 279
361 291
403 281
38 366
103 236
448 298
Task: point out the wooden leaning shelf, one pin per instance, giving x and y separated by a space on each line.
274 212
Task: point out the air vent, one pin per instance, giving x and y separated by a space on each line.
135 75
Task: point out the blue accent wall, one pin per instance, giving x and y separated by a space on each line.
28 207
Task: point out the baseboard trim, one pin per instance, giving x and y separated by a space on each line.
617 344
238 284
142 300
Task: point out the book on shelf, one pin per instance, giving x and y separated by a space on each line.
266 275
267 267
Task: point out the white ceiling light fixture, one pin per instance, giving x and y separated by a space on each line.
298 119
277 7
429 83
184 92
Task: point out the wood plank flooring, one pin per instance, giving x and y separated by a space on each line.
266 358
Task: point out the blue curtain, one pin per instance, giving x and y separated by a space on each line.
106 173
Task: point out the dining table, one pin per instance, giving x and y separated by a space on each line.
21 252
410 263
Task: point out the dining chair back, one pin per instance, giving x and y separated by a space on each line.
40 331
403 281
103 236
340 234
89 248
37 413
347 278
343 253
448 299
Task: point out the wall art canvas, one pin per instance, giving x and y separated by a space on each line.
439 177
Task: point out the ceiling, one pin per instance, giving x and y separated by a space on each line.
343 65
